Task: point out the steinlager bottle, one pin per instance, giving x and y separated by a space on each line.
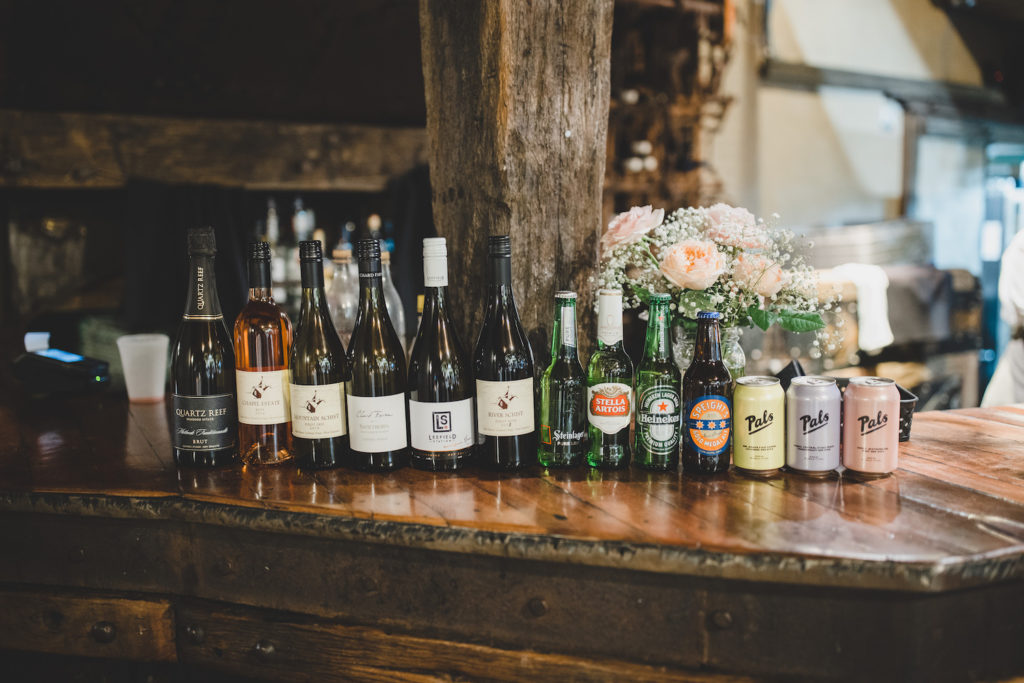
609 387
707 396
657 394
563 417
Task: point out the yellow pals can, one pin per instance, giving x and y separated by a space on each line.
759 426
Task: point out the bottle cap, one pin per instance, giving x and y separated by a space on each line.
499 245
435 247
385 257
565 294
341 254
259 251
708 315
661 298
202 241
368 248
309 250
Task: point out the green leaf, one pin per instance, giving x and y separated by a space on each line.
762 318
695 300
643 294
800 322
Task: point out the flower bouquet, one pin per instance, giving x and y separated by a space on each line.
721 259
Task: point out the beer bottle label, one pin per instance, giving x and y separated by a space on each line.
709 424
609 406
657 419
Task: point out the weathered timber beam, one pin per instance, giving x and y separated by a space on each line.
74 150
517 113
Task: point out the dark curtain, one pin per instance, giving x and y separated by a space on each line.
413 218
156 258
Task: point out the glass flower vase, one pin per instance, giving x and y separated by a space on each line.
733 355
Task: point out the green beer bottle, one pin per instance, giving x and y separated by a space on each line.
657 394
609 387
563 416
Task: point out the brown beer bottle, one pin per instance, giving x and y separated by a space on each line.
707 402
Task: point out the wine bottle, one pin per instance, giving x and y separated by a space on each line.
440 386
319 372
263 340
563 416
205 431
376 394
503 367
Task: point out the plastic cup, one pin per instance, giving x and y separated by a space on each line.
144 359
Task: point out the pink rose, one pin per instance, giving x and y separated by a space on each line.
735 227
760 274
630 226
692 264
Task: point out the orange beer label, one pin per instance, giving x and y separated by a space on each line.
709 424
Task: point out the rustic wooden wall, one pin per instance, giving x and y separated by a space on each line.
517 112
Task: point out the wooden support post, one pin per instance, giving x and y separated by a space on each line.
517 114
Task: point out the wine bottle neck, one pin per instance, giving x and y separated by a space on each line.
658 346
202 302
500 285
708 344
259 280
312 274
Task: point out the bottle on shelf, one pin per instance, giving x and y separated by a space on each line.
301 232
707 402
440 382
377 392
278 254
263 338
319 374
609 387
656 443
503 369
347 232
344 296
205 427
563 417
393 300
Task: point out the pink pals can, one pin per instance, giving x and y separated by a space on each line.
871 426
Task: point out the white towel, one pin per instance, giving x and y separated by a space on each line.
873 330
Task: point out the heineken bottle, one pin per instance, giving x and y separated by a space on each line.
657 394
563 417
609 387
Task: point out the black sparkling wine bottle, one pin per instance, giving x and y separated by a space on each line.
503 367
319 371
378 427
440 381
205 427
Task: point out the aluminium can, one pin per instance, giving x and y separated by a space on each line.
871 426
759 432
813 434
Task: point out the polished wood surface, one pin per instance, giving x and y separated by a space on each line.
952 516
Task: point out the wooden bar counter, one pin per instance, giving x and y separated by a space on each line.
111 559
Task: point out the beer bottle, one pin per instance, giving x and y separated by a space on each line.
707 397
657 394
563 417
609 387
